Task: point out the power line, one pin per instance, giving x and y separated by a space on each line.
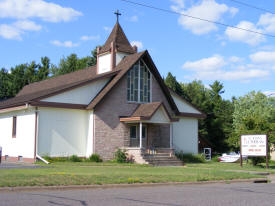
197 18
252 6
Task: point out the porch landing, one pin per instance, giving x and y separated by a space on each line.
156 157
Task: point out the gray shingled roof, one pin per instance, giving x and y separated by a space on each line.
119 38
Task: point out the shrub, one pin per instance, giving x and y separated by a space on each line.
95 158
75 158
190 158
215 158
56 159
256 160
120 156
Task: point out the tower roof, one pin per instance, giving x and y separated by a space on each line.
120 40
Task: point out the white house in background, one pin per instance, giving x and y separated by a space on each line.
122 102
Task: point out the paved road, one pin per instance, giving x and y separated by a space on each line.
190 195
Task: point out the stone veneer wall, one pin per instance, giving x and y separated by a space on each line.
110 133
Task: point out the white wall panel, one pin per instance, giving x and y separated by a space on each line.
23 144
119 57
183 106
80 95
104 63
62 132
185 135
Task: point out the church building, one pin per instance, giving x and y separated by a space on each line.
122 102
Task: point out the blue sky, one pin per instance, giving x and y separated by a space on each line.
190 49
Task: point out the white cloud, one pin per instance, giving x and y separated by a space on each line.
263 57
108 29
87 38
268 22
25 9
10 32
27 25
179 5
14 31
218 67
206 64
269 93
139 44
245 36
235 59
67 44
206 9
231 75
133 18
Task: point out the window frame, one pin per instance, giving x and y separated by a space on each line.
139 90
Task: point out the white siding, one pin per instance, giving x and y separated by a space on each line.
183 106
185 135
104 63
119 57
63 132
23 144
80 95
160 116
90 136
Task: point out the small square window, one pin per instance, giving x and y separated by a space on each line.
14 122
133 132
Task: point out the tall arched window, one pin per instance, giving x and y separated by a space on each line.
139 83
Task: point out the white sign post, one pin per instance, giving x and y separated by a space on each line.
254 146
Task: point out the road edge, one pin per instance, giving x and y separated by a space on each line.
107 186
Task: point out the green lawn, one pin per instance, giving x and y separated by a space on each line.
234 166
85 173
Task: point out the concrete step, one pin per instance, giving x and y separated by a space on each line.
171 161
158 155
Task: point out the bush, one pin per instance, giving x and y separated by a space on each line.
75 158
95 158
56 159
190 158
120 156
256 160
215 158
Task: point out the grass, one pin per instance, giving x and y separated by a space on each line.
86 173
234 166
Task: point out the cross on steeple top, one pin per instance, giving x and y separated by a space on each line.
117 15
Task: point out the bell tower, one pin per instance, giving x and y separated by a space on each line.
115 48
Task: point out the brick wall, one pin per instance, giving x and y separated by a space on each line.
110 133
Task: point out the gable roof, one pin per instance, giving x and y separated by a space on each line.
54 86
146 112
124 67
34 92
119 38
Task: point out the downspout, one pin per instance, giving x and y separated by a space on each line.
36 156
35 133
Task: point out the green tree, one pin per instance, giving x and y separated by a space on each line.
254 113
4 84
173 84
217 126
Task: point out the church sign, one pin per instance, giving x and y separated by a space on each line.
254 146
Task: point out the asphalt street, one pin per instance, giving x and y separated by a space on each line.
234 194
